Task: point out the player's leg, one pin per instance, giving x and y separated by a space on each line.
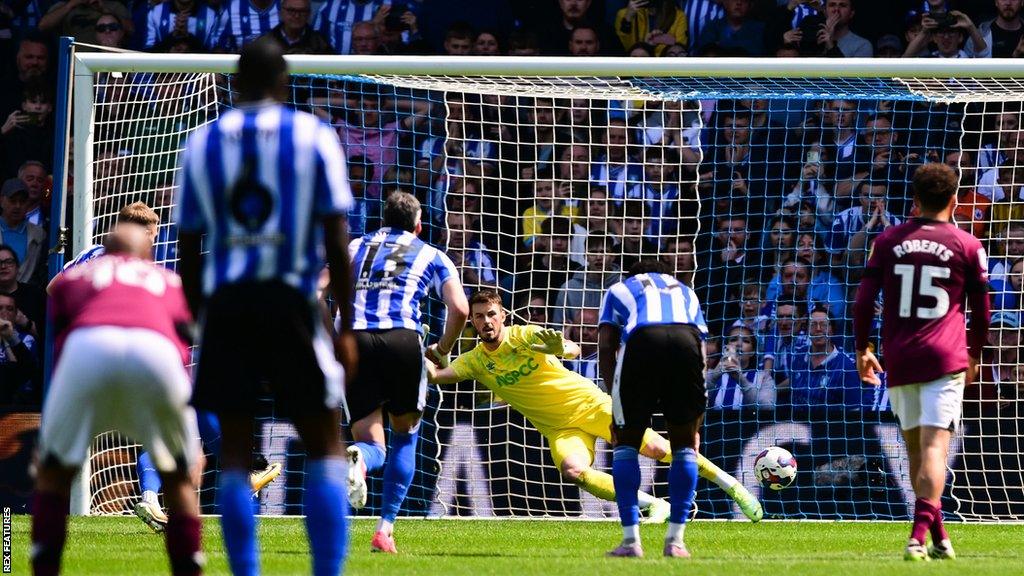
572 451
367 452
931 480
679 387
324 501
148 507
67 428
626 478
658 448
402 375
50 515
234 493
941 402
184 529
632 406
906 405
169 433
682 483
398 475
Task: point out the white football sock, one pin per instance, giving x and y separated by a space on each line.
631 534
675 532
385 526
151 497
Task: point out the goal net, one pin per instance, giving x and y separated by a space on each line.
760 183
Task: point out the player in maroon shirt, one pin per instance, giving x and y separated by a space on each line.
122 346
926 269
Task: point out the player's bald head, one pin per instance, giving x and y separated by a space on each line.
262 71
129 239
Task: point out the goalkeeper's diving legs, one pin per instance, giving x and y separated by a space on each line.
658 448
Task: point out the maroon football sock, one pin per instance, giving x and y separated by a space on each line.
924 516
183 539
49 531
938 529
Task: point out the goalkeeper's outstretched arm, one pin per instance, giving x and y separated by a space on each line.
437 375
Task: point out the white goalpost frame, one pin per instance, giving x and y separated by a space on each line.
86 65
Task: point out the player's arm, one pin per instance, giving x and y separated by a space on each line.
454 297
436 375
190 262
340 271
607 346
460 369
978 300
863 316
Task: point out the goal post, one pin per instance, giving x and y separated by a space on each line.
545 178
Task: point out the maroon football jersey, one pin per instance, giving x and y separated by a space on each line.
926 270
118 290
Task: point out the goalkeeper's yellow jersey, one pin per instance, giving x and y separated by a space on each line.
536 384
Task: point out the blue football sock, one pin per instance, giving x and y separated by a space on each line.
682 481
626 476
237 522
398 472
373 455
209 431
326 507
149 478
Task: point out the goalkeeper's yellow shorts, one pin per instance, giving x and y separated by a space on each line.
581 433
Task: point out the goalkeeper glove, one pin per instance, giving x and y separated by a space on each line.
437 357
550 342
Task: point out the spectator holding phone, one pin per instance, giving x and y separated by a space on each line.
27 133
946 30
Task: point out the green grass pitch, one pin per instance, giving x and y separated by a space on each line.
116 546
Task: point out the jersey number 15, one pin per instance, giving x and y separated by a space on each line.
925 287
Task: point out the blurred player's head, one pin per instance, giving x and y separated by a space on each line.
140 213
487 315
402 211
935 188
647 266
129 239
262 71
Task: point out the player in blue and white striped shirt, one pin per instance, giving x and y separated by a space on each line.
651 349
394 272
267 186
243 21
202 22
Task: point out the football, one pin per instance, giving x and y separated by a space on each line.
775 468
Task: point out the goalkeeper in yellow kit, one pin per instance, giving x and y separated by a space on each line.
520 364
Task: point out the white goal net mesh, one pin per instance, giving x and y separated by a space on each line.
764 194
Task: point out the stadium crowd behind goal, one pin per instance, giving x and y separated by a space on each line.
546 190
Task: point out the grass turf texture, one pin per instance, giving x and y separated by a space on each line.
454 547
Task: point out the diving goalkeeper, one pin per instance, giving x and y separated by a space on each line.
520 364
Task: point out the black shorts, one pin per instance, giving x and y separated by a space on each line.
263 338
391 373
661 370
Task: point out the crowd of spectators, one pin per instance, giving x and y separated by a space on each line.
551 199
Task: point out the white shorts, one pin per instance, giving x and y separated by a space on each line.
936 403
125 379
